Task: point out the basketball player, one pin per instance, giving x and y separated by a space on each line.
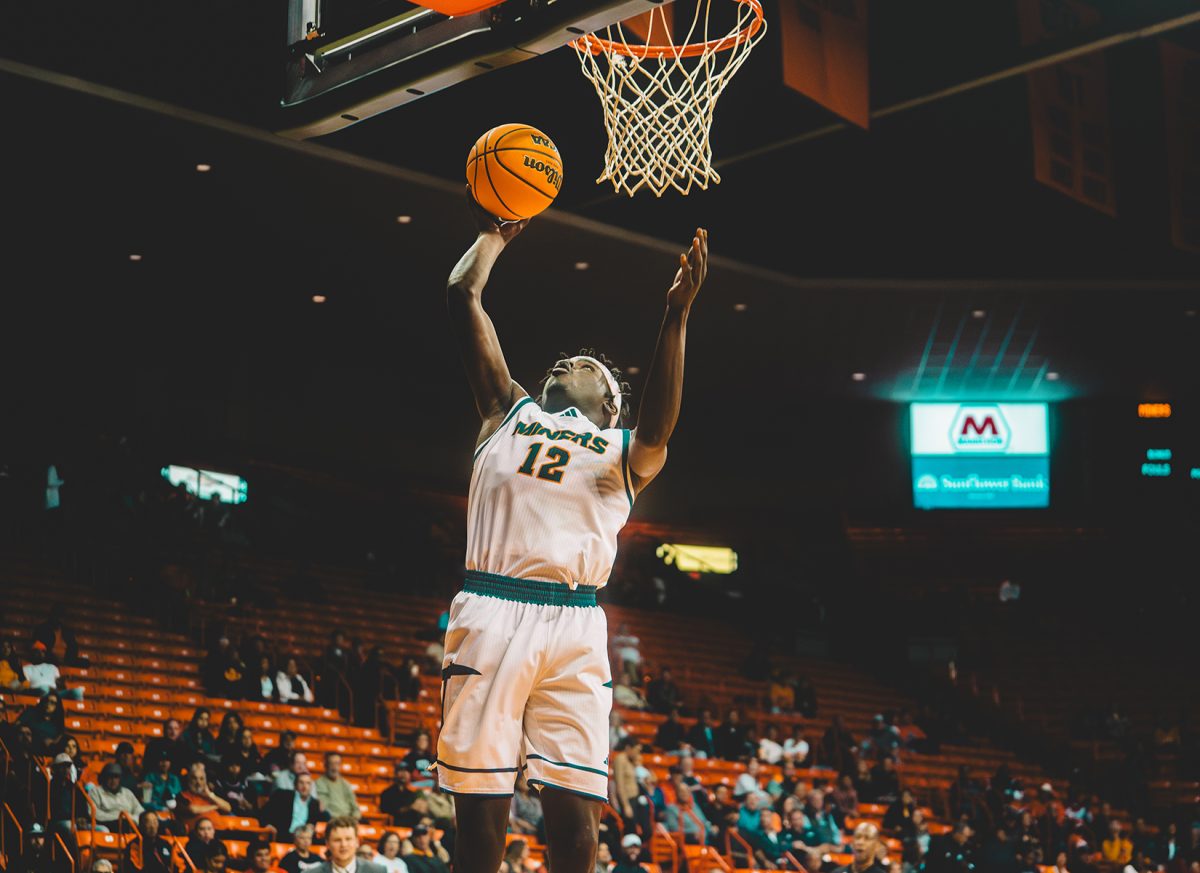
526 683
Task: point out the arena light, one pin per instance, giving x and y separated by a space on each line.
203 168
1154 410
698 559
403 219
228 487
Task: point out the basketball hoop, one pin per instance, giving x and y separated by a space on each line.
658 99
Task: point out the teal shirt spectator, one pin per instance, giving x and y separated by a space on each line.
162 788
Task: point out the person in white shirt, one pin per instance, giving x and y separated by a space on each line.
769 749
291 685
625 647
795 747
748 782
388 855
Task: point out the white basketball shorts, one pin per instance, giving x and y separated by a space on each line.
526 686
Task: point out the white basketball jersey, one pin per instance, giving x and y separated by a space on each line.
549 492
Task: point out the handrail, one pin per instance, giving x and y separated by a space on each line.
60 844
343 682
45 771
749 851
795 862
8 813
658 829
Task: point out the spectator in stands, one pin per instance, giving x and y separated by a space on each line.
45 720
280 758
806 697
110 799
625 782
151 853
702 736
58 639
164 786
292 686
222 671
397 797
421 756
198 797
368 683
796 747
68 803
441 810
231 723
36 857
793 834
899 814
731 737
766 842
915 841
285 780
866 849
951 853
604 857
245 751
627 695
770 750
885 781
629 860
629 657
388 853
302 858
721 810
341 841
684 815
669 736
260 680
365 853
408 680
42 677
204 842
102 865
749 781
781 692
170 745
129 776
232 787
201 744
525 815
11 674
288 810
882 740
516 858
823 830
1116 848
216 862
260 857
662 693
845 796
336 795
335 665
24 761
750 815
417 812
426 854
839 749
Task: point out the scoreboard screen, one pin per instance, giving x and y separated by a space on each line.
980 455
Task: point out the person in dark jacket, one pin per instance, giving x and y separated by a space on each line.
670 734
952 853
702 736
288 810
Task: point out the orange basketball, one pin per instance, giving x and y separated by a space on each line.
514 171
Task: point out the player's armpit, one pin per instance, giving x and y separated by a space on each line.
645 461
492 423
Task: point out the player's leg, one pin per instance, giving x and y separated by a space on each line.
572 830
482 822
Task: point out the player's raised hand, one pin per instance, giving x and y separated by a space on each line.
693 268
485 222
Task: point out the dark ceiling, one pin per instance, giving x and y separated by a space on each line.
921 254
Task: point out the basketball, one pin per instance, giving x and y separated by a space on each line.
514 171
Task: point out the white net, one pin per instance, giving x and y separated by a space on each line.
658 99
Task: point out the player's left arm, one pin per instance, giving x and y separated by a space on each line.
659 410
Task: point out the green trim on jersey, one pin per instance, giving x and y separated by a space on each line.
507 418
564 764
625 466
528 590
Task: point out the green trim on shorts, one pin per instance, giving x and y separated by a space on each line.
564 764
528 590
545 784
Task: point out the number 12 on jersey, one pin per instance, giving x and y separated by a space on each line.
552 469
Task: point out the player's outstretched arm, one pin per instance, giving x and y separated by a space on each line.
487 371
663 394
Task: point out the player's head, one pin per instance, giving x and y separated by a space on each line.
589 382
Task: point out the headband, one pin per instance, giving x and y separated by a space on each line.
613 387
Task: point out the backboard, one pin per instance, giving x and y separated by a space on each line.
348 61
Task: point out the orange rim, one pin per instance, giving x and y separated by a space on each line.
598 45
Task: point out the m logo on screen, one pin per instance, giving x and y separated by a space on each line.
980 428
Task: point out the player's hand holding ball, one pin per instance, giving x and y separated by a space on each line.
693 268
514 172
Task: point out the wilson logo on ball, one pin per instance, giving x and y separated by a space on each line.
542 141
552 175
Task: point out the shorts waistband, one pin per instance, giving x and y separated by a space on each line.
528 590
